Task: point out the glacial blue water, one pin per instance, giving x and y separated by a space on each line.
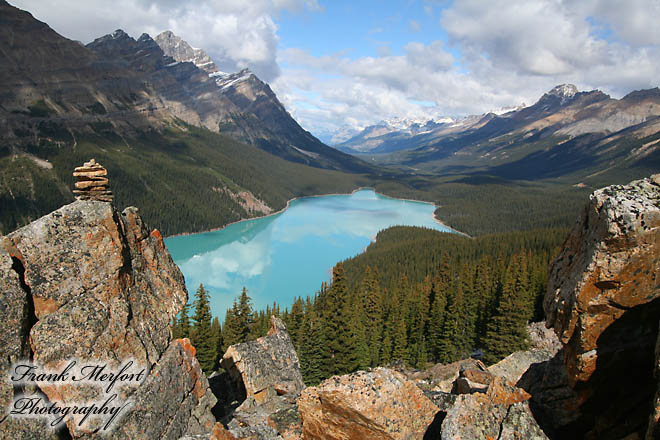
291 253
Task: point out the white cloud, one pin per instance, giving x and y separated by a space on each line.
498 53
511 51
235 33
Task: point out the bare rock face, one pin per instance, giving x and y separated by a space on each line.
501 412
265 375
88 283
473 377
603 301
379 404
267 366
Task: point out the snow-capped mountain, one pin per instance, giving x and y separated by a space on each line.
399 134
175 47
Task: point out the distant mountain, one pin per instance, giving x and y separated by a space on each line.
172 138
402 134
566 132
175 47
247 110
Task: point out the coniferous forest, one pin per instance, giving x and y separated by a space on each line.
416 296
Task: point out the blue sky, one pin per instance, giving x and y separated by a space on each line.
358 29
339 66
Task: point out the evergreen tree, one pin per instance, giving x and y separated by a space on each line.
399 341
231 331
506 330
204 339
216 334
245 316
219 340
437 318
183 323
294 322
451 344
373 315
311 350
341 349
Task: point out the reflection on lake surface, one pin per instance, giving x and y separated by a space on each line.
289 254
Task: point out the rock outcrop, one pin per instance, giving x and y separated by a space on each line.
379 404
263 376
92 182
266 367
603 301
88 283
544 345
502 412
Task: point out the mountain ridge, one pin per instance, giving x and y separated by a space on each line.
145 117
565 133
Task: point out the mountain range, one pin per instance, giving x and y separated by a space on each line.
566 132
142 112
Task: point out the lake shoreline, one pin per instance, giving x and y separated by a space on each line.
288 203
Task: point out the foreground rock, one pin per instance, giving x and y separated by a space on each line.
88 283
544 345
263 376
502 412
379 404
603 301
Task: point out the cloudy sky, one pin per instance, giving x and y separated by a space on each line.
340 65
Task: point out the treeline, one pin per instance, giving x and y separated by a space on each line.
416 295
210 339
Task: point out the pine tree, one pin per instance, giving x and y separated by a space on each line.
182 327
204 339
295 321
373 315
245 316
311 350
231 331
437 316
399 340
506 330
452 341
216 334
342 348
219 340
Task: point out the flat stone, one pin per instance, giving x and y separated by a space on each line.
91 173
88 168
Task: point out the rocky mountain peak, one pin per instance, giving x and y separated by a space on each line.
119 33
559 95
639 95
177 48
564 90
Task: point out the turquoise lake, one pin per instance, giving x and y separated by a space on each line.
291 253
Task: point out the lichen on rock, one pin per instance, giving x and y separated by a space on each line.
87 283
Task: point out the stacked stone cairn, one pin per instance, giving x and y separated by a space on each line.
92 183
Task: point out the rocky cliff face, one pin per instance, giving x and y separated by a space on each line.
88 283
52 88
603 301
180 50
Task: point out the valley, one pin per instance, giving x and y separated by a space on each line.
411 247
